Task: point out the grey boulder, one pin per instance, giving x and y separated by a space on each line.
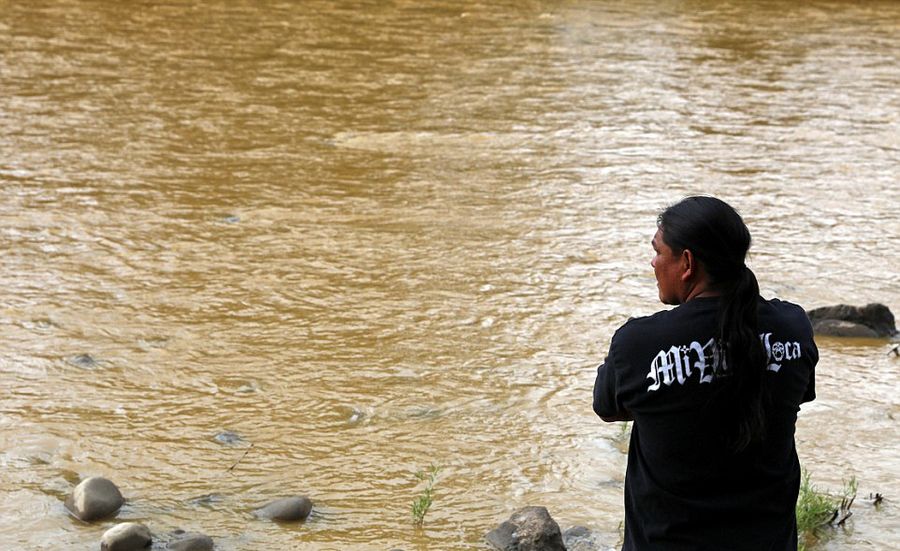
841 328
528 529
127 536
579 538
871 321
94 498
190 541
286 509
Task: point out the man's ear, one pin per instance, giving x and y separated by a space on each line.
688 265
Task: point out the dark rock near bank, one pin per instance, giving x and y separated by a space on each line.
127 536
286 509
528 529
94 498
841 328
871 321
190 541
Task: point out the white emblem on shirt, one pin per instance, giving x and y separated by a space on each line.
678 363
779 351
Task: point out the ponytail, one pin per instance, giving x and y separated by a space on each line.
745 357
717 236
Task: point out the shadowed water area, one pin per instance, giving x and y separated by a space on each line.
365 237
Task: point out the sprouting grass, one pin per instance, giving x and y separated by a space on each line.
622 439
423 502
624 431
815 509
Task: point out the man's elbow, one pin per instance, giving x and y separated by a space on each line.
623 415
618 416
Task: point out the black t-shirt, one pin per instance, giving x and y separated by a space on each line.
685 488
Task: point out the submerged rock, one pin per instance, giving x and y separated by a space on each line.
873 321
207 499
190 541
229 438
94 498
85 361
528 529
248 387
127 536
286 509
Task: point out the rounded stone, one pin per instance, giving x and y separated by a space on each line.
94 498
127 536
286 509
191 541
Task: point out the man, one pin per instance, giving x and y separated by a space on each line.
713 386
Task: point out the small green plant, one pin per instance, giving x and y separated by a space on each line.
622 439
422 503
816 509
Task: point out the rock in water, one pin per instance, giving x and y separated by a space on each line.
871 320
94 498
841 328
85 361
191 541
127 536
528 529
579 538
228 438
286 509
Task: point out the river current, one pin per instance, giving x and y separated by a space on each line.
370 237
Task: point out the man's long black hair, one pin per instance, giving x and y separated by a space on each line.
718 238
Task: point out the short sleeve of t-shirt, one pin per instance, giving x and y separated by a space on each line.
606 399
810 394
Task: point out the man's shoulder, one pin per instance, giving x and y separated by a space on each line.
782 305
778 310
639 327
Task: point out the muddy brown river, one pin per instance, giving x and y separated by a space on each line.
368 237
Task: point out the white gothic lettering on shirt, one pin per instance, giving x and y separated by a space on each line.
679 363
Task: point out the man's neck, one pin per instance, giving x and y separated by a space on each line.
701 291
